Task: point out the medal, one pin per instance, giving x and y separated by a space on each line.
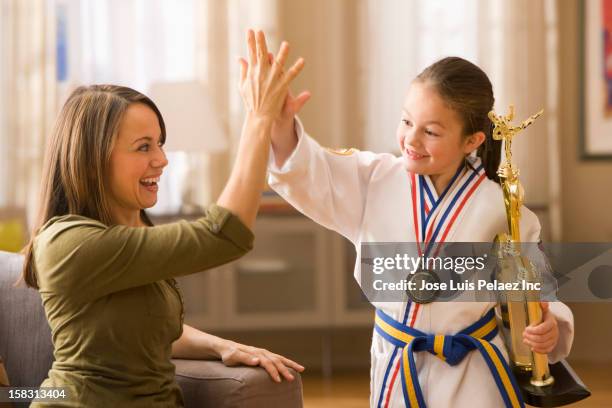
417 280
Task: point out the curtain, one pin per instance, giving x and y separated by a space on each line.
27 98
514 42
221 31
133 43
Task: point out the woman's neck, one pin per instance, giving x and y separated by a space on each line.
128 218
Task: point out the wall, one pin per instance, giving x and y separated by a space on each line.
325 33
586 190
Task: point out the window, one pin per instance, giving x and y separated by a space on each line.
408 35
133 43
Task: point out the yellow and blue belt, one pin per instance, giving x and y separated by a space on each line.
451 349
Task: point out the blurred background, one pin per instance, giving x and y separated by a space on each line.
295 293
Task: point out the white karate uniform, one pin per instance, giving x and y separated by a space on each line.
366 197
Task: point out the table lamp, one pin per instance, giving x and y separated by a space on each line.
194 128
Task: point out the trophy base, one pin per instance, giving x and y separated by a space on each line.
566 389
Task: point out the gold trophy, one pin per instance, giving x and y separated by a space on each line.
541 384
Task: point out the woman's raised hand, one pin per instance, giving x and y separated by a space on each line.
264 83
264 86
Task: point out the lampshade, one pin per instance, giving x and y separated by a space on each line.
192 124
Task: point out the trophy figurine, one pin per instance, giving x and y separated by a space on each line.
541 384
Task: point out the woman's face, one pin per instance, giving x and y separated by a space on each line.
137 161
430 133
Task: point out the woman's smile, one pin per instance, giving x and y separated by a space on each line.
150 183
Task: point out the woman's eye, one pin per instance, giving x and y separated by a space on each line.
407 122
430 133
144 148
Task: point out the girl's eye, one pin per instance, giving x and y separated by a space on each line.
430 133
407 122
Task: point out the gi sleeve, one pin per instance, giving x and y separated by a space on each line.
89 259
565 322
328 187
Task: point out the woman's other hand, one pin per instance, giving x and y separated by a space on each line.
233 354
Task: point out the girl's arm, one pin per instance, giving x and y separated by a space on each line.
197 345
284 138
329 187
263 86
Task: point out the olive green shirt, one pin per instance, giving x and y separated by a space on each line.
114 307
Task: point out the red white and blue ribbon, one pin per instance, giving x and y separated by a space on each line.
433 218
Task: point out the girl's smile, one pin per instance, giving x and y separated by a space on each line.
413 155
431 135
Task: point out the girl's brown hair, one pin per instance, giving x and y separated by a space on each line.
77 158
467 90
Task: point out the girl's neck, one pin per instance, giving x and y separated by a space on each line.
442 180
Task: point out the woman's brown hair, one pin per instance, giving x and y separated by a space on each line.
77 159
467 90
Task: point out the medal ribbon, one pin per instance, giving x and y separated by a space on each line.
428 224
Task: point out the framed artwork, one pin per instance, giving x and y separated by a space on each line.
596 79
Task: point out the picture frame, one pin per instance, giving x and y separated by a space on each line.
595 25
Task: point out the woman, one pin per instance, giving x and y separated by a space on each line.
106 275
443 188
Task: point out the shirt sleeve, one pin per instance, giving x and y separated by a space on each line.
86 258
565 323
328 187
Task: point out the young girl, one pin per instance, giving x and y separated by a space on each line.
443 188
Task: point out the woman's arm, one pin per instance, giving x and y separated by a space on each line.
197 345
263 86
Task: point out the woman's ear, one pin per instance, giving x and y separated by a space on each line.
473 141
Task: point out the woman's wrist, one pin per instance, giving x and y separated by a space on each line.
256 119
219 346
258 128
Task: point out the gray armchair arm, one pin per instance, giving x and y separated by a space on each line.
212 384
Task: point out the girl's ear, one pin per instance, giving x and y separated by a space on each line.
473 141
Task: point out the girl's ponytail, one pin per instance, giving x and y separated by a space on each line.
490 152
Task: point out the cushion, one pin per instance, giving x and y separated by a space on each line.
24 331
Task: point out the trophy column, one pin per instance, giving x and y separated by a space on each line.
521 308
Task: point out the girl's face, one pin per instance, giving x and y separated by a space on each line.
137 162
430 133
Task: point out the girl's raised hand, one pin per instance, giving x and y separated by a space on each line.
264 83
